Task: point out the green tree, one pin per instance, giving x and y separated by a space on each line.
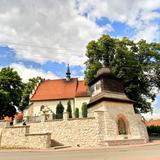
69 108
27 90
59 110
10 91
136 63
76 113
84 109
4 100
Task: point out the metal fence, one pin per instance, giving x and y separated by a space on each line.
53 117
32 119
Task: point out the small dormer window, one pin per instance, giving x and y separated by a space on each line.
92 89
96 88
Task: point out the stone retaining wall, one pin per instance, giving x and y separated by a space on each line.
73 132
19 137
83 132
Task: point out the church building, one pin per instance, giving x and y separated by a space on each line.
51 92
111 117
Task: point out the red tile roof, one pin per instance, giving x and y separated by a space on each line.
153 122
81 89
60 89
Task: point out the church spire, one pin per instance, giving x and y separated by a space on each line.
68 73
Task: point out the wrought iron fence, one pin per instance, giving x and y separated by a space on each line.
53 117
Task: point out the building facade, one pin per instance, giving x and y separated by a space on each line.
51 92
108 97
112 119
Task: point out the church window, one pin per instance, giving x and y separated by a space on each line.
122 129
96 88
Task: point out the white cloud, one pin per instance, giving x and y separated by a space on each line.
149 32
57 30
138 14
26 73
53 29
156 110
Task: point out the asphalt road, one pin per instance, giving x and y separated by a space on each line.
131 153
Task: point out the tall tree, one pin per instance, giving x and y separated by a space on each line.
10 91
76 113
27 90
84 110
59 110
69 108
137 63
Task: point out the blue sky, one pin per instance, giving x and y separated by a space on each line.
40 38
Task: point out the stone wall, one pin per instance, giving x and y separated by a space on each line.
19 137
93 131
42 140
111 111
13 137
71 132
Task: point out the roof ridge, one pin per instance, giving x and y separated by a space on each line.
59 79
81 80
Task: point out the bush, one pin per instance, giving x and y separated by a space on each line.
69 108
76 113
59 111
153 130
84 110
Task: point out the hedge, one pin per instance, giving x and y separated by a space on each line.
153 130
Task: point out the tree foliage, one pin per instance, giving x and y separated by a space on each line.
27 90
76 113
69 108
84 109
137 63
59 110
10 91
153 130
13 92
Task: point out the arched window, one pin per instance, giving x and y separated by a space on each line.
122 128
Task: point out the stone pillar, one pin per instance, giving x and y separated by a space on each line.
14 121
65 116
110 126
7 124
99 115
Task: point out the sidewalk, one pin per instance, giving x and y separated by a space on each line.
109 148
155 142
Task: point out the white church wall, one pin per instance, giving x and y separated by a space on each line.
34 109
51 104
79 101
